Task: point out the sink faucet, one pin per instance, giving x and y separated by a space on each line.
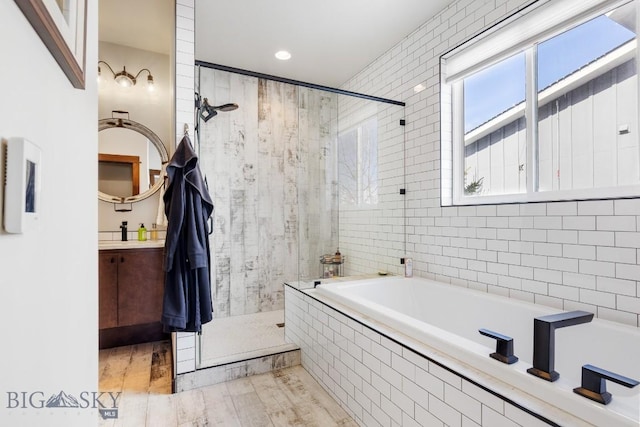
544 340
123 228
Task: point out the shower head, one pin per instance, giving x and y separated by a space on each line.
226 107
208 111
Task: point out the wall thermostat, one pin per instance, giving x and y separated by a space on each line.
22 186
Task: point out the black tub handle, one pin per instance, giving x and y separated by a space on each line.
594 386
504 346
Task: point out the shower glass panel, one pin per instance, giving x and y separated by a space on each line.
295 173
370 176
248 158
317 181
351 173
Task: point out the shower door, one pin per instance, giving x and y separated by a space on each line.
266 211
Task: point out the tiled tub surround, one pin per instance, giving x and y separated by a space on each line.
385 377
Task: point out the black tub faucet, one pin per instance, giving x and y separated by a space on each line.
544 340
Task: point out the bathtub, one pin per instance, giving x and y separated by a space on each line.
447 318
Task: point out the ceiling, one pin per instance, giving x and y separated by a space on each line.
141 24
330 40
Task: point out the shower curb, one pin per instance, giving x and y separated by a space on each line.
234 370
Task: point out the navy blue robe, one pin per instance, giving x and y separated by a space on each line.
187 261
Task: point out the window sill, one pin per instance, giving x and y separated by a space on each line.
632 191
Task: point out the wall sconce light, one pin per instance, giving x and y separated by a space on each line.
125 79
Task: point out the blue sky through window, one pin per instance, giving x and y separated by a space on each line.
493 90
502 86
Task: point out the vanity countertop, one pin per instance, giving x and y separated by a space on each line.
129 244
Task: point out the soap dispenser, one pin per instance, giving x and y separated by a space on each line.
154 232
142 233
408 267
337 258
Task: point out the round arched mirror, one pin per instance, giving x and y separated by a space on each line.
130 159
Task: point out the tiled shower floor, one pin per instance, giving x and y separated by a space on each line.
237 338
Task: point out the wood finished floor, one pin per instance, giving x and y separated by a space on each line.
287 397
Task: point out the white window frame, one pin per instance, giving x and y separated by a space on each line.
520 33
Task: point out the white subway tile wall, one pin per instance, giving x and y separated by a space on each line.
185 81
185 66
381 383
185 352
561 254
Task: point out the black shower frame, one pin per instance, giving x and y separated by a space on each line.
296 82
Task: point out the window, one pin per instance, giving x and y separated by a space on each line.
358 164
493 120
544 107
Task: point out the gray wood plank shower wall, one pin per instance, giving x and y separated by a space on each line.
270 166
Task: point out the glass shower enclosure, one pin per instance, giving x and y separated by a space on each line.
295 173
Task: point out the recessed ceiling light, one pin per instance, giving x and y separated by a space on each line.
283 55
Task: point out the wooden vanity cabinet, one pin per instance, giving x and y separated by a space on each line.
131 285
108 289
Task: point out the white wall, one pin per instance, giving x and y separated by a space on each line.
584 122
567 255
150 108
49 278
